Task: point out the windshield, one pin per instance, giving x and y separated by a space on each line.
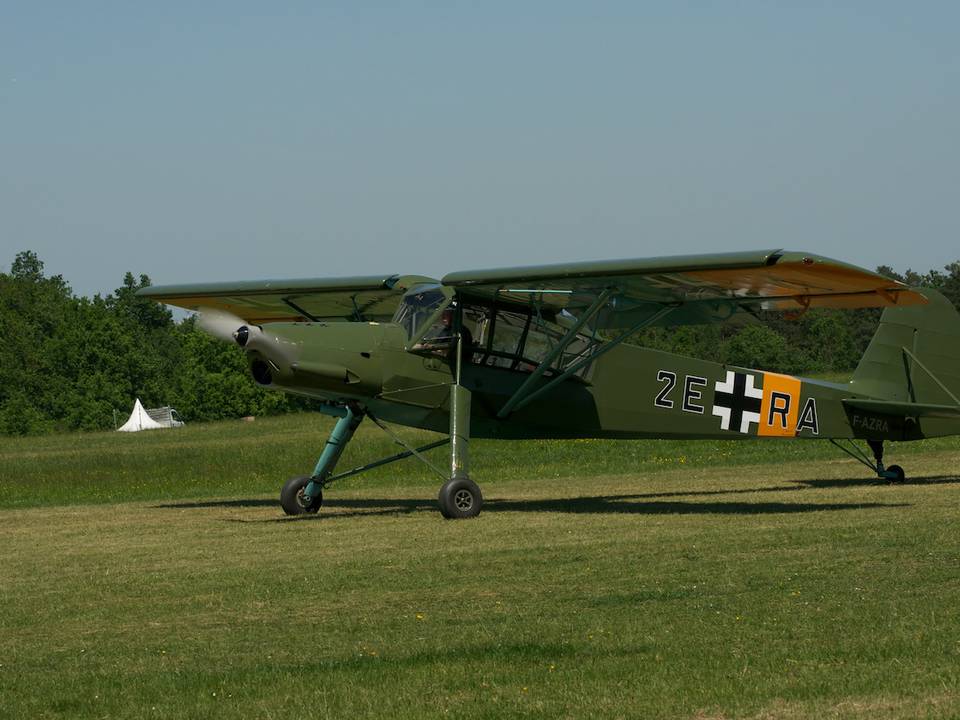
417 307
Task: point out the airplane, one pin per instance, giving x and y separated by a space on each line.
545 352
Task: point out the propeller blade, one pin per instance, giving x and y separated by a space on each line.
219 323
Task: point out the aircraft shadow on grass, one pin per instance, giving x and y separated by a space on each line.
638 503
606 503
613 505
583 505
865 482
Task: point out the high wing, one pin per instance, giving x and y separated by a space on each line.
695 288
371 298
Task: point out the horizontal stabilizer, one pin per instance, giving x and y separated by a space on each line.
904 409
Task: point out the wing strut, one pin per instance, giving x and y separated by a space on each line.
291 304
519 399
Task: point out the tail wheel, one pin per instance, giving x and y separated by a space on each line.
460 498
293 501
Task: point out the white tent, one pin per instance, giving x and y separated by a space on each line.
139 420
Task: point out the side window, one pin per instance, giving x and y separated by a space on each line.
440 339
541 341
498 338
506 340
517 341
440 334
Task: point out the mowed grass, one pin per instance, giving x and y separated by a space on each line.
154 576
239 458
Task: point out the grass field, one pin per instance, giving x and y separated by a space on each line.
153 575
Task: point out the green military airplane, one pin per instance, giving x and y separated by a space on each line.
544 352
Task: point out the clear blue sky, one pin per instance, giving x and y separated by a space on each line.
231 140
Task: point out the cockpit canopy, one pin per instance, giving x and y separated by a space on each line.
417 308
510 335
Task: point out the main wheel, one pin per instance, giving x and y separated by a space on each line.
292 500
460 498
898 475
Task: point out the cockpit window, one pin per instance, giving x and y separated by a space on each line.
417 307
509 337
518 341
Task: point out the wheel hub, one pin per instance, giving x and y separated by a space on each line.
463 499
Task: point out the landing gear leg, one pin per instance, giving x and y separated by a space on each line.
894 473
305 494
459 497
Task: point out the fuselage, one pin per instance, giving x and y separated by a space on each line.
628 392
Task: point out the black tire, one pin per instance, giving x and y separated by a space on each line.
460 498
898 474
291 497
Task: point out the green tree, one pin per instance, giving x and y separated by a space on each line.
758 346
33 312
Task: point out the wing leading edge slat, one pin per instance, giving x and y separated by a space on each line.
370 298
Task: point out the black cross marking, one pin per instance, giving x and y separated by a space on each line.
737 401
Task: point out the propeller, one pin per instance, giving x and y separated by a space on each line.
224 326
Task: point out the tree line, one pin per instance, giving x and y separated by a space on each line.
73 363
69 362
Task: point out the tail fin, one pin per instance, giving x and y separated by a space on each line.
914 357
